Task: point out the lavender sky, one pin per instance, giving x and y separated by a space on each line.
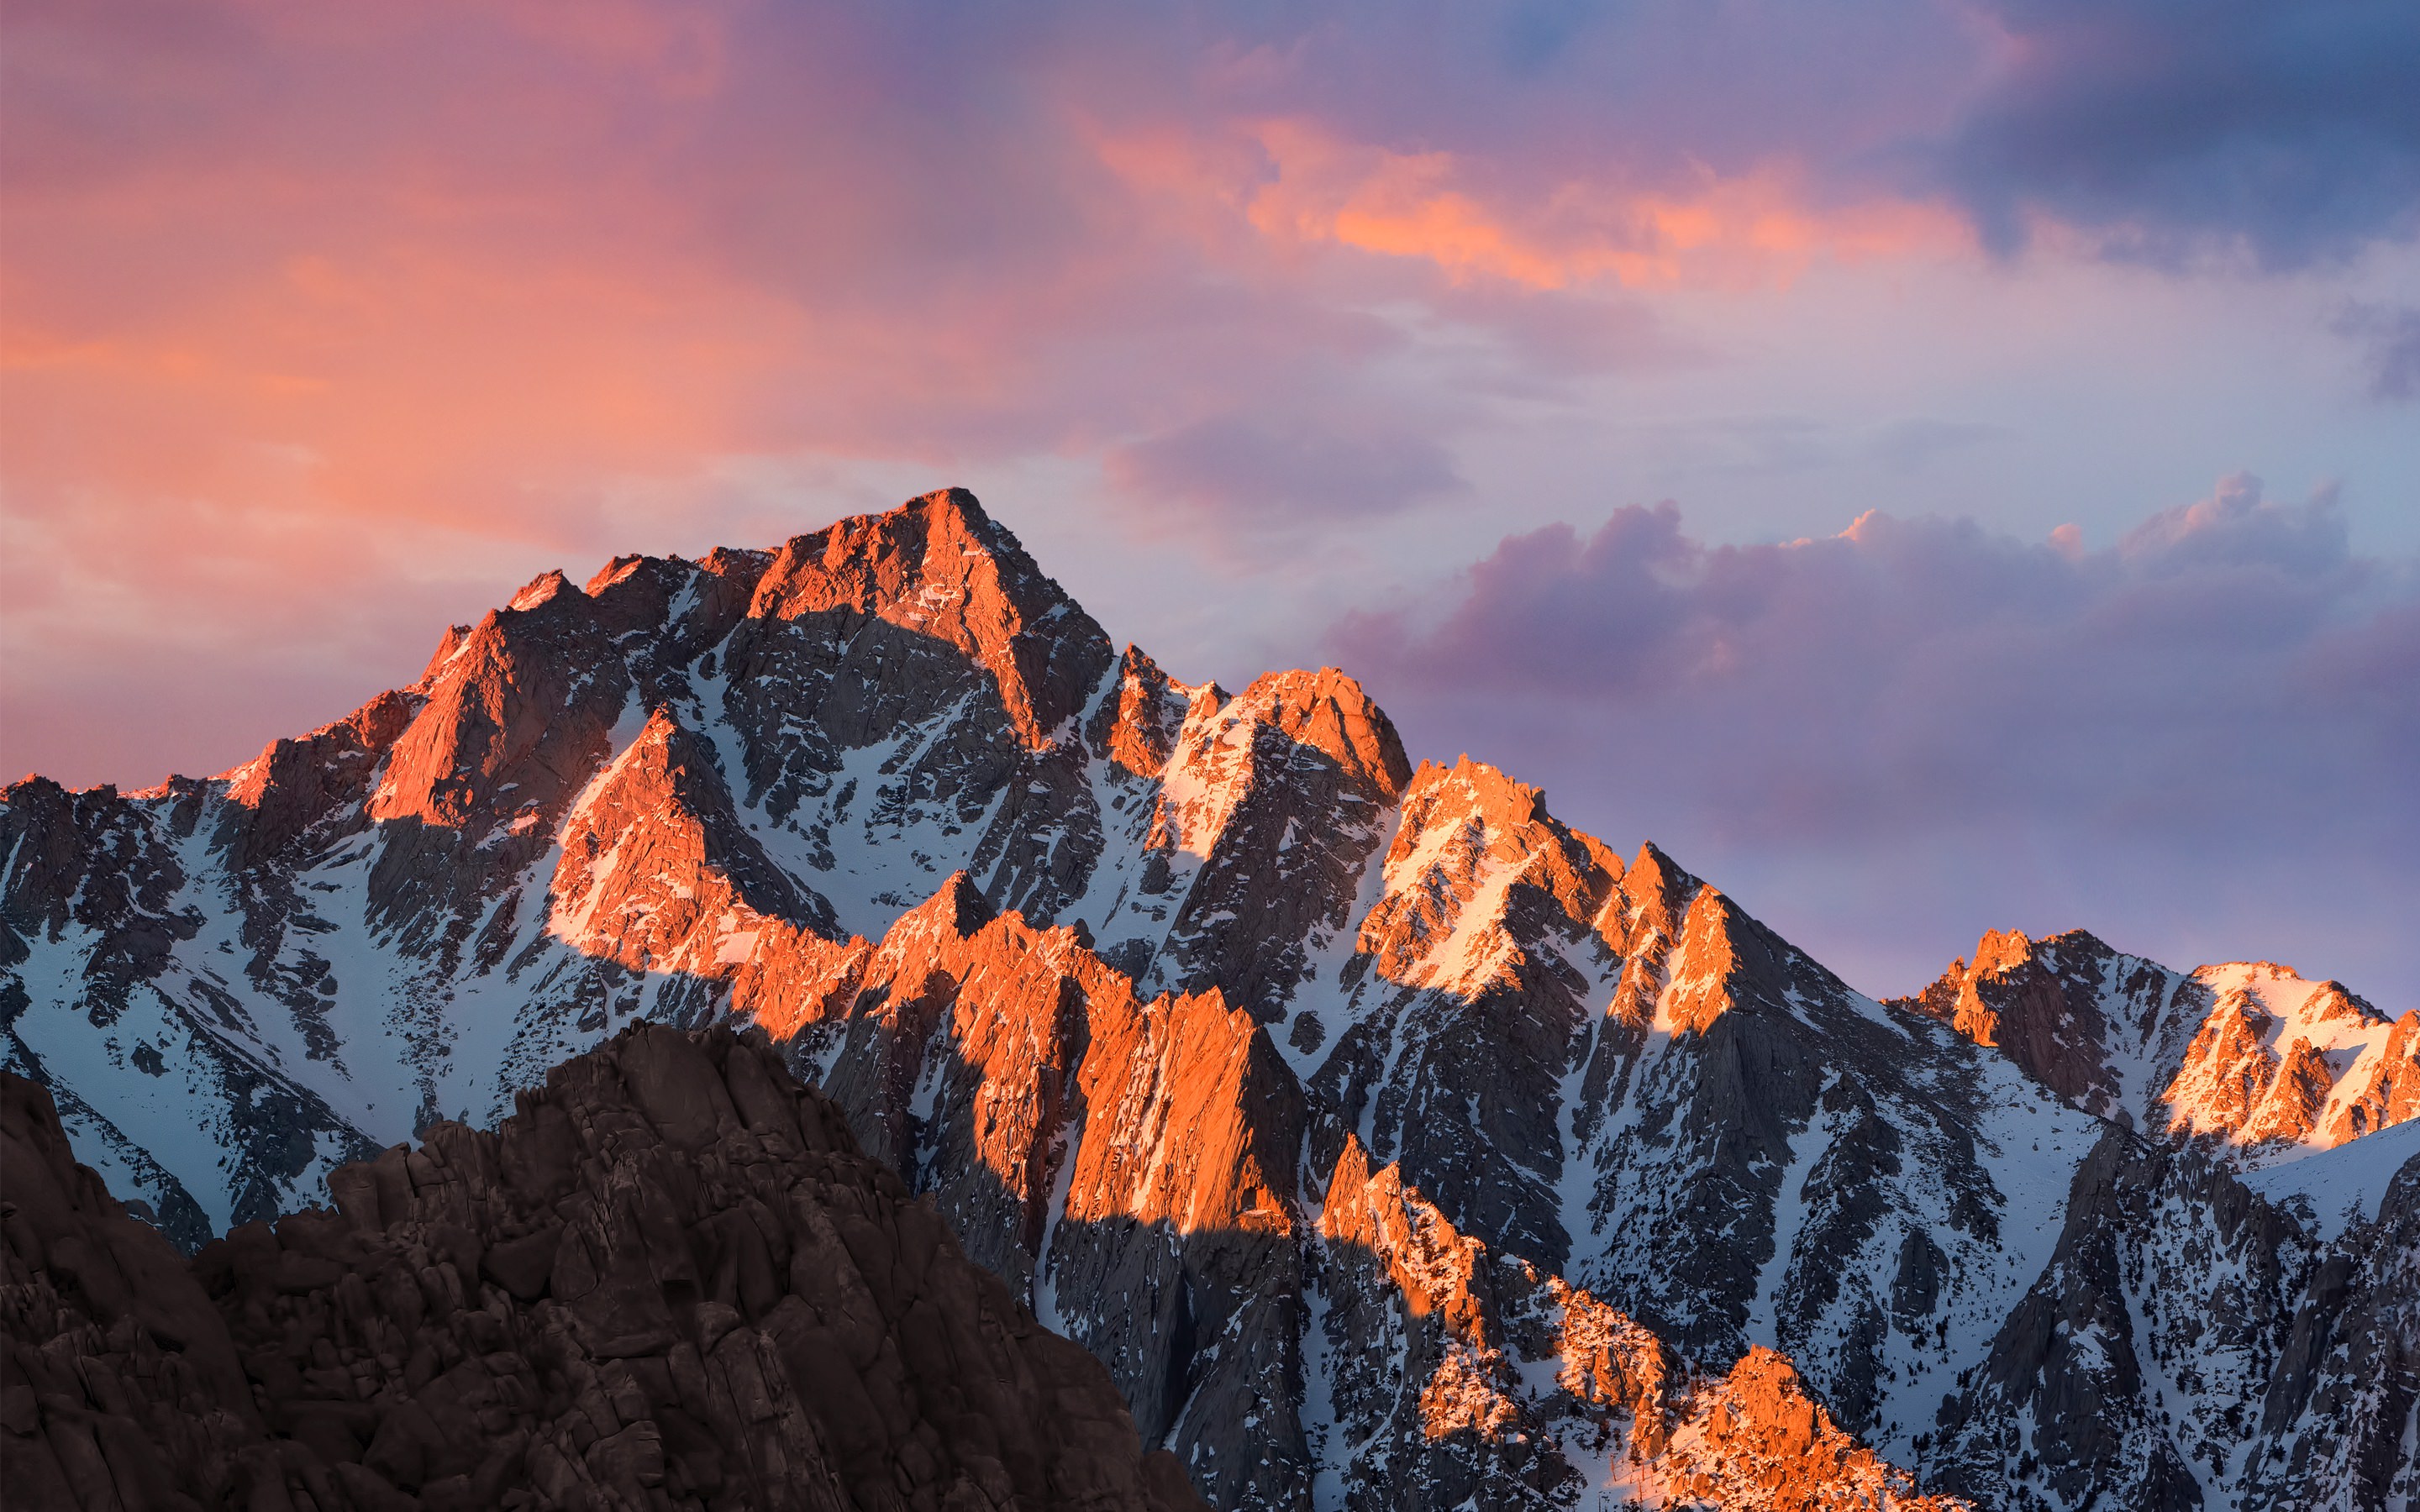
1932 466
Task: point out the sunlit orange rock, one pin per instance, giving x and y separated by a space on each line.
1478 865
933 569
1755 1441
2386 1090
2249 1053
1331 1104
1138 728
1510 1384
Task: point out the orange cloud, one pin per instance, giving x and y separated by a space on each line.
1299 186
1757 229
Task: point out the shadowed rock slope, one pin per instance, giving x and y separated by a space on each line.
670 1280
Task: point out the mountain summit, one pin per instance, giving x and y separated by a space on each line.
1392 1143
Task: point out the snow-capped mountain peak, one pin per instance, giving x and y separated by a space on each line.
1390 1141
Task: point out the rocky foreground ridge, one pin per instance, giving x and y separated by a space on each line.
671 1279
1385 1137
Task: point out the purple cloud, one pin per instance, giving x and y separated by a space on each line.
1890 739
2289 127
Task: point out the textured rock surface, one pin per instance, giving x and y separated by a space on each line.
1117 970
2248 1055
2340 1420
670 1280
1500 1386
2192 1344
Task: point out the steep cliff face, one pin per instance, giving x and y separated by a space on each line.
1128 1163
2338 1423
119 977
1495 1385
687 781
1443 1035
670 1280
1125 974
1138 1159
2131 1368
2199 1339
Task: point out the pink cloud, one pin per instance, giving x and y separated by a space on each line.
1764 226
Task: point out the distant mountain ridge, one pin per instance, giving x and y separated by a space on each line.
1157 989
2248 1052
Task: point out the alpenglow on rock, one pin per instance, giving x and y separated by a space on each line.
1390 1143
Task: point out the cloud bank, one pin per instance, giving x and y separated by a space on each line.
2196 741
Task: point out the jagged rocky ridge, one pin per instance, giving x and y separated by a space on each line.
671 1279
2247 1056
1125 972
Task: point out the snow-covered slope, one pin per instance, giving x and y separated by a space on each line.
1129 974
2340 1189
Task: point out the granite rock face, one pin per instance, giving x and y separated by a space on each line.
2193 1343
1720 1186
671 1279
2336 1422
1499 1385
2249 1057
1336 1105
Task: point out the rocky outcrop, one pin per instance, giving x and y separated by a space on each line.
927 639
1174 1255
1445 1040
957 1062
2336 1421
2064 1010
1128 1163
101 958
2194 1344
2075 1400
671 1279
2283 1062
1135 1158
291 790
2381 1090
1261 821
398 917
1499 1385
120 1382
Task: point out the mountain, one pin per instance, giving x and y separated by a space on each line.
670 1279
2270 1066
1390 1142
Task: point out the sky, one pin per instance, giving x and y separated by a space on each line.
1930 466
